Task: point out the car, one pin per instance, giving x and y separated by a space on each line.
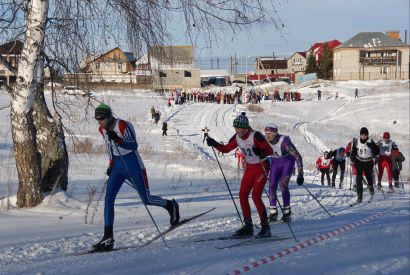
74 90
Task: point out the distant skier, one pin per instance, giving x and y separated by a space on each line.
282 164
164 128
241 160
356 93
397 159
387 146
319 94
125 164
364 151
255 147
338 157
323 164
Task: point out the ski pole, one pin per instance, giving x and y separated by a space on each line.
276 198
318 201
226 182
134 186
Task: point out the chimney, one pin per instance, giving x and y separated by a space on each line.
393 34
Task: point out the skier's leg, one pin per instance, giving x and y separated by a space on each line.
244 191
259 182
368 170
322 177
335 165
114 184
342 172
327 171
380 171
359 179
389 173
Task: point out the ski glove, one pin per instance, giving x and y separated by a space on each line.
211 142
257 151
113 136
300 180
108 172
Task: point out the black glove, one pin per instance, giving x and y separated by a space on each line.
108 172
113 136
257 151
348 154
211 142
300 180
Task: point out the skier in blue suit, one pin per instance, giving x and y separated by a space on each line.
125 164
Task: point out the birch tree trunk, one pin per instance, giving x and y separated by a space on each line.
50 140
29 192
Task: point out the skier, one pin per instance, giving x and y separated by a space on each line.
397 159
385 159
363 152
338 159
323 164
241 161
255 147
356 93
152 112
282 164
125 164
319 94
164 128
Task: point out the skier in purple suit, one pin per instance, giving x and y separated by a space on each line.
282 164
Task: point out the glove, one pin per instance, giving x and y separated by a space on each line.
257 151
113 136
348 154
300 180
108 172
211 142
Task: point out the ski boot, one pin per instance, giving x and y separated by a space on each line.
246 230
286 214
106 243
371 191
396 184
173 210
341 185
273 215
390 188
379 186
265 230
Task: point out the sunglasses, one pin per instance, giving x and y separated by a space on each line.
99 118
270 130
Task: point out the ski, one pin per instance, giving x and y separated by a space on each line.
223 238
139 246
253 241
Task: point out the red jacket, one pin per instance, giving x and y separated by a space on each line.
323 163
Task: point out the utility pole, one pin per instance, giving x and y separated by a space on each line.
274 64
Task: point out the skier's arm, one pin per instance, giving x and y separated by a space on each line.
373 146
289 147
129 140
226 148
261 143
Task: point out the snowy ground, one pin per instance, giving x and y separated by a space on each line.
42 240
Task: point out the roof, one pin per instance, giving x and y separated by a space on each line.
319 45
273 64
130 56
300 53
214 73
371 40
11 47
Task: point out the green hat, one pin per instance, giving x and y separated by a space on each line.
241 121
103 110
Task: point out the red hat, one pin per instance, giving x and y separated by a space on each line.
386 135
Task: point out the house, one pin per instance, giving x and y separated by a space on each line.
113 66
11 52
297 64
371 56
317 48
171 67
270 67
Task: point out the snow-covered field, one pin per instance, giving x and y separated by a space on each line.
368 239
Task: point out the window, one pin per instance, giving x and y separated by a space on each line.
162 74
97 66
187 74
383 70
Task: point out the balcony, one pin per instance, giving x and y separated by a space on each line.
391 60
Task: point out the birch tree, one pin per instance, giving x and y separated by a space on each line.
66 31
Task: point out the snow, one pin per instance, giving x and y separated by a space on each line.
42 240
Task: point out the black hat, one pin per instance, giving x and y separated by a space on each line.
364 131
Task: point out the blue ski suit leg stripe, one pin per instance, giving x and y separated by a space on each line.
117 177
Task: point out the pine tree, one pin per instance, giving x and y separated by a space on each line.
311 64
325 67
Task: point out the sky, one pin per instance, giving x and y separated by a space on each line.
307 22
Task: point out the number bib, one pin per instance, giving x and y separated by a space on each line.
276 148
363 151
386 148
246 148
